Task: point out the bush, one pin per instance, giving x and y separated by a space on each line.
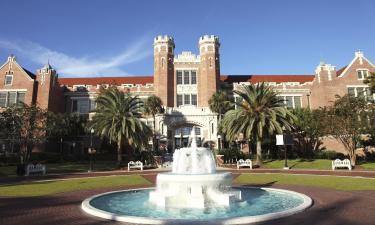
331 155
232 154
45 157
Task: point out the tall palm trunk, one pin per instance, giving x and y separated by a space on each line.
259 153
119 153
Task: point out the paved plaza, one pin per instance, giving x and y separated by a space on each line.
331 207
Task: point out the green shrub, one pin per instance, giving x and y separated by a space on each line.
232 154
331 155
45 157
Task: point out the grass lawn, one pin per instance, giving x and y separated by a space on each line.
338 183
318 164
368 165
67 167
60 186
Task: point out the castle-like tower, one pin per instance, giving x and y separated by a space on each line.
209 70
164 69
49 93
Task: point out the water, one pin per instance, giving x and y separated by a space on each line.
255 201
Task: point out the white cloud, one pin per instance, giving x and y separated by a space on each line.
80 66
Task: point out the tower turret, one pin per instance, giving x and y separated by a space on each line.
163 69
47 88
209 70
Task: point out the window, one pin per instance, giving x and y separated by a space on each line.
81 106
92 105
362 74
292 102
361 92
186 99
8 80
179 77
297 102
194 100
10 98
186 77
21 97
193 77
179 100
351 91
3 99
289 101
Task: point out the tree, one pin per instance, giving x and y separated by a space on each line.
26 125
260 113
348 120
57 126
153 106
371 82
309 127
220 103
118 118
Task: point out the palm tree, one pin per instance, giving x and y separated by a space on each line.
260 113
118 118
220 103
153 106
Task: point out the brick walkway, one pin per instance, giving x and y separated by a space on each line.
330 207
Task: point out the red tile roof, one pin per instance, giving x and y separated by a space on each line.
149 79
106 80
267 78
339 72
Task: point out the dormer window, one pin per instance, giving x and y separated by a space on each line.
8 80
362 74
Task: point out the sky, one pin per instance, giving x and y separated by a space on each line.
114 37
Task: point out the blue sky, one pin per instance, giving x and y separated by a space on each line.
106 38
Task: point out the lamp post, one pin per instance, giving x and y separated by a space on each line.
73 148
219 142
285 140
91 133
61 149
91 152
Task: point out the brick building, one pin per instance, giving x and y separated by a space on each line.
184 82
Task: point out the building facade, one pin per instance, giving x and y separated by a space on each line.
184 82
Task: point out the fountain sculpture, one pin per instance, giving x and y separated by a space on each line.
193 182
195 192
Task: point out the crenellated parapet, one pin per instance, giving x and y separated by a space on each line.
187 57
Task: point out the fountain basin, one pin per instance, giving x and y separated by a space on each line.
257 204
198 191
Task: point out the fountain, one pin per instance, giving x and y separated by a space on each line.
194 192
193 182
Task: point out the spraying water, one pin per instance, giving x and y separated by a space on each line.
193 182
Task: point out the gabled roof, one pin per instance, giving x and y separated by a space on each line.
339 72
267 78
33 76
106 80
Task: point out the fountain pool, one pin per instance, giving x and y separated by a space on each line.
195 192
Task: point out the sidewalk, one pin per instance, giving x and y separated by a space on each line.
344 173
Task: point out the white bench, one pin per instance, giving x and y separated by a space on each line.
135 165
35 169
341 164
244 163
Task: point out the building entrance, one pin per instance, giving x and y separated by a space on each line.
181 137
